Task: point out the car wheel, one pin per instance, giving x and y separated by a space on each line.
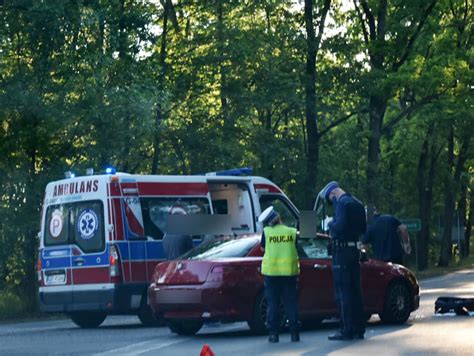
146 316
185 327
88 319
258 323
397 306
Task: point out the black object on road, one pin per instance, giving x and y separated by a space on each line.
460 306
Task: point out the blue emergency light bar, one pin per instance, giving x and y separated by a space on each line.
232 172
110 170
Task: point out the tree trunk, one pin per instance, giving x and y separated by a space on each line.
451 187
446 253
159 115
469 222
424 182
312 156
462 210
377 107
32 202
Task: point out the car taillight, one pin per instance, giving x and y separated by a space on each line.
114 262
39 266
216 274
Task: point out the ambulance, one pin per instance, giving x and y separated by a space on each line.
101 235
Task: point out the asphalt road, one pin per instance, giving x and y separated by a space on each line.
423 334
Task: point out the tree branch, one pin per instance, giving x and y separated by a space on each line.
340 121
413 38
324 12
362 23
381 19
370 19
409 110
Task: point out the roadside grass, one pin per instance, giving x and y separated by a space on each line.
456 264
11 306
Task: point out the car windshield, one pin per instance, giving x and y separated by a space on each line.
223 247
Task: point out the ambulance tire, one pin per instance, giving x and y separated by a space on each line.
88 319
185 327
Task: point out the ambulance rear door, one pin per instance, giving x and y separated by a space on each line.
55 259
74 257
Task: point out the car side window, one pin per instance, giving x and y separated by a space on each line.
313 248
287 214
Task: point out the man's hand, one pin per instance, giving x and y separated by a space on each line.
407 248
327 222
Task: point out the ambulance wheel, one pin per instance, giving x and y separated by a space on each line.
185 327
88 319
258 323
397 306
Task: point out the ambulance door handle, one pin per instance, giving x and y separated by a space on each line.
318 266
79 261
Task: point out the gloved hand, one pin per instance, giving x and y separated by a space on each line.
327 222
407 248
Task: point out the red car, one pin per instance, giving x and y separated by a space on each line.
221 281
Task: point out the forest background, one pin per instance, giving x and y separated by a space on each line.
377 94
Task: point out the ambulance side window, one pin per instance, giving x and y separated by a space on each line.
154 211
287 215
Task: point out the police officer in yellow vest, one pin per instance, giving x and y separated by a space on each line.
280 267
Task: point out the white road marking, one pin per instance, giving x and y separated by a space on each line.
141 347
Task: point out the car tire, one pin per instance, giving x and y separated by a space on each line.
88 319
147 317
185 327
258 323
397 306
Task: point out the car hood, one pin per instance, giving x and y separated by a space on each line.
394 269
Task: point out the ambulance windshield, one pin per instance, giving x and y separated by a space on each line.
80 223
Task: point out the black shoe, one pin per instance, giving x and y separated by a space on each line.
273 338
339 336
295 337
359 336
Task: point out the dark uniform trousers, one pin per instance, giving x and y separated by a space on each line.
346 275
281 288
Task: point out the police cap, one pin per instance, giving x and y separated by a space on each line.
324 193
268 216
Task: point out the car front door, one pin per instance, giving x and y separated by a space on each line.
316 292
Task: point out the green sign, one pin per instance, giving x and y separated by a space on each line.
412 224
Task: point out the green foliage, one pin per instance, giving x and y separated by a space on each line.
86 84
11 305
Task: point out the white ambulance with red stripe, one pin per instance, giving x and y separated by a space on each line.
101 235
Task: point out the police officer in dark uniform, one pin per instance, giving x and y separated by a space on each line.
280 267
348 225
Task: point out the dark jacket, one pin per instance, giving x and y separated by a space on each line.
349 221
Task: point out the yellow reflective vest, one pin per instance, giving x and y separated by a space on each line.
281 256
